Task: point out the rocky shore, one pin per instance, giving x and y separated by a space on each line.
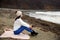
7 19
46 26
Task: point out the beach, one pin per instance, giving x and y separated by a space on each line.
45 28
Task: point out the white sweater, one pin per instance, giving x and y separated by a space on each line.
18 23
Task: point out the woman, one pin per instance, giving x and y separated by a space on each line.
20 25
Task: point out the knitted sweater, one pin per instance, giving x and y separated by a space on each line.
18 23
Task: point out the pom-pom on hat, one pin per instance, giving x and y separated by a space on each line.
19 13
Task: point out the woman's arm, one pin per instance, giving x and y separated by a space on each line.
25 24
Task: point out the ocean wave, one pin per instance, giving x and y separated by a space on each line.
47 16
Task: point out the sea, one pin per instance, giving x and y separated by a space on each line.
51 16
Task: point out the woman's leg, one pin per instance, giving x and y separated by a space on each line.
22 28
33 33
19 30
28 29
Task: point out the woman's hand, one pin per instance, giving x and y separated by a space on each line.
31 26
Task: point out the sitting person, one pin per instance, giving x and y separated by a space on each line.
20 25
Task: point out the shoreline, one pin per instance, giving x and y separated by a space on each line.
44 25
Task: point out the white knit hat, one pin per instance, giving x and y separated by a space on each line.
19 13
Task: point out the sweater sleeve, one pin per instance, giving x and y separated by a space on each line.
24 23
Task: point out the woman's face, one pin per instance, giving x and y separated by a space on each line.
22 15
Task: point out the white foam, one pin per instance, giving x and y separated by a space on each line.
47 16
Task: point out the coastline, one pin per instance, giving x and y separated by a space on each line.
45 25
45 28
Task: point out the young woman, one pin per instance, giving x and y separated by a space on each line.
20 25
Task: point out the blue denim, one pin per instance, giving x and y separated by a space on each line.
21 29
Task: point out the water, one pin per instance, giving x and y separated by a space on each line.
47 16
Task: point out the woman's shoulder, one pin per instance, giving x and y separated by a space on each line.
18 19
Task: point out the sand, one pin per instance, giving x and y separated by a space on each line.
46 30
